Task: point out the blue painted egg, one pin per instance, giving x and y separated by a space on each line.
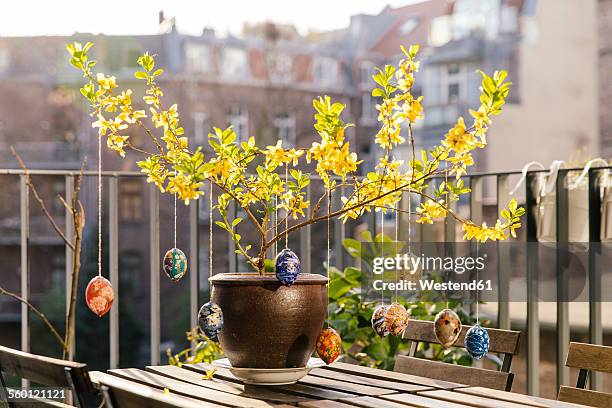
477 342
210 320
378 321
287 266
175 264
447 327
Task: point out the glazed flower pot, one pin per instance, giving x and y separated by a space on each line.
267 324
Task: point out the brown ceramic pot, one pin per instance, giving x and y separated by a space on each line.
266 324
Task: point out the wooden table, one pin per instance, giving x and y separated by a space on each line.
339 385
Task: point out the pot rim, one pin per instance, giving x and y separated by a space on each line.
244 278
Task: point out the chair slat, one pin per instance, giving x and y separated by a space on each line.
589 356
501 341
40 369
473 376
585 397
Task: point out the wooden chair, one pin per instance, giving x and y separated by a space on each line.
505 342
47 371
121 393
587 358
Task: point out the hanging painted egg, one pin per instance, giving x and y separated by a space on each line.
99 295
396 319
287 266
329 345
447 327
175 264
477 342
378 321
210 320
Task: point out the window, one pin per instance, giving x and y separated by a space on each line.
5 59
366 70
285 129
235 63
238 118
201 127
455 79
199 58
409 25
130 201
326 71
280 67
368 108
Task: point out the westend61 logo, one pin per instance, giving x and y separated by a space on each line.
412 267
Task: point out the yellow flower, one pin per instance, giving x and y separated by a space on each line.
106 83
458 139
185 187
431 210
276 155
117 143
413 110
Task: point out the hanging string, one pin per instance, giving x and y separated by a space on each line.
328 247
210 231
287 215
446 218
477 291
396 243
175 214
382 250
99 205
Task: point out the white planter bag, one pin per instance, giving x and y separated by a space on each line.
606 207
578 202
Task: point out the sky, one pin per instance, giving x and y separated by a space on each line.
64 17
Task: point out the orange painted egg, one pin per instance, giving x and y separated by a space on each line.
99 295
396 319
447 327
329 345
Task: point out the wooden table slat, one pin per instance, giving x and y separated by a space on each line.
520 398
249 391
471 400
421 401
344 386
295 389
373 402
182 388
324 404
156 394
391 376
374 382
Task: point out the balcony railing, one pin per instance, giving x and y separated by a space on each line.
489 190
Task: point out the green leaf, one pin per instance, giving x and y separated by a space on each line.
140 75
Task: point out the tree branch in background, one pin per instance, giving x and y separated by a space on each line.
41 203
38 313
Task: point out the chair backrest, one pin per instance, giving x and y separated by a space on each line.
587 358
504 342
121 393
47 371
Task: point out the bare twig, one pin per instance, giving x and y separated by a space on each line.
38 313
41 203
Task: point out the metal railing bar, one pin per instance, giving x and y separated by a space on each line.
503 260
24 208
231 245
338 252
113 266
563 328
154 263
110 173
594 265
305 238
69 232
533 324
194 264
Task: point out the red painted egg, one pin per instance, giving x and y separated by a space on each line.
99 295
329 345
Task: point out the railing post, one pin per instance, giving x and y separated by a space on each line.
24 210
231 245
338 254
533 324
595 329
154 273
305 237
69 232
476 204
503 260
113 266
194 263
563 328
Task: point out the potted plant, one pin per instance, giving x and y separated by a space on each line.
269 323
